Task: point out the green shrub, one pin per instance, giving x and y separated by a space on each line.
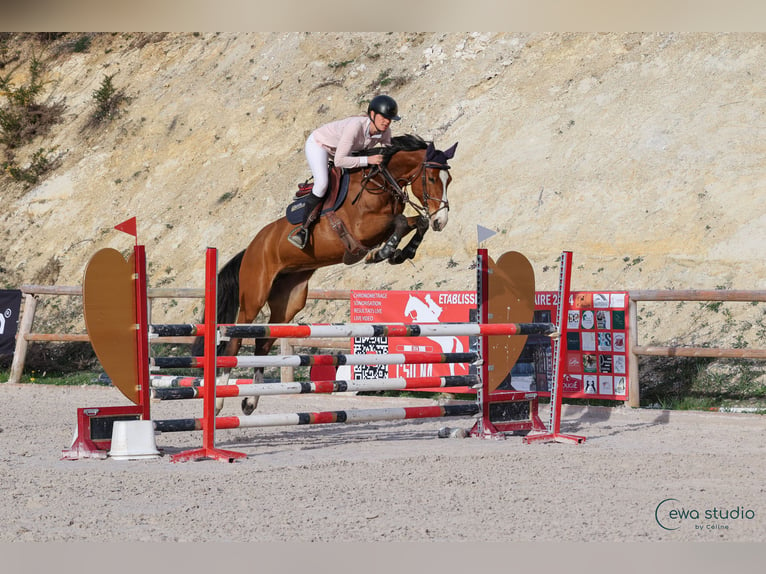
22 117
81 44
40 164
108 99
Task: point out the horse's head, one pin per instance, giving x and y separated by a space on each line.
436 179
425 168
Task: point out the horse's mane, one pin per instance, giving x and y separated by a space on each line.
407 142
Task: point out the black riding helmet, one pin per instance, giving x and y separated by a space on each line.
385 106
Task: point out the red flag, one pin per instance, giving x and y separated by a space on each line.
128 227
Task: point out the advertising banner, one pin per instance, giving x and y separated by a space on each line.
411 307
595 348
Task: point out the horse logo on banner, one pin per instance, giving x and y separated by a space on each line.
426 310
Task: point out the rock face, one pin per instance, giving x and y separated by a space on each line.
641 153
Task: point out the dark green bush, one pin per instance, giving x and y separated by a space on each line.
22 117
108 99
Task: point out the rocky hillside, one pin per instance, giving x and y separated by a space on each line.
641 153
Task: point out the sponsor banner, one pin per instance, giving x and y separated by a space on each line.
411 307
595 348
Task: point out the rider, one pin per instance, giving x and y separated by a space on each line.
338 140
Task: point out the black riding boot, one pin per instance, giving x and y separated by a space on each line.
300 236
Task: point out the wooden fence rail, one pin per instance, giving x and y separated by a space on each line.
637 295
30 292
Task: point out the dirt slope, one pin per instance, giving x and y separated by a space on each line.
641 153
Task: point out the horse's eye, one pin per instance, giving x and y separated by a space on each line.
431 180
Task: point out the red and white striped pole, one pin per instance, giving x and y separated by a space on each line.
409 357
323 417
279 330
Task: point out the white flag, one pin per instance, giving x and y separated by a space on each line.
484 233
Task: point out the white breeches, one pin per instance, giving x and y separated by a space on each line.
318 158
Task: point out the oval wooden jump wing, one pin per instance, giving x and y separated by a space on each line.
511 294
108 293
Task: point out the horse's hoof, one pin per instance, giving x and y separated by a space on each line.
249 405
397 258
218 406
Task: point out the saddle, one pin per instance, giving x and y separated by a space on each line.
337 191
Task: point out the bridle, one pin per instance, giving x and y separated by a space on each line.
396 187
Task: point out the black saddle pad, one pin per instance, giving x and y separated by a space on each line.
295 211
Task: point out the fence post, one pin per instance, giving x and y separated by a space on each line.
286 373
25 327
634 396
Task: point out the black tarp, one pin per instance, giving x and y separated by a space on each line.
10 304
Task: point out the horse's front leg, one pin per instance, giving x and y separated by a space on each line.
401 228
402 255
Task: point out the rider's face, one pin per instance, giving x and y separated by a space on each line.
380 122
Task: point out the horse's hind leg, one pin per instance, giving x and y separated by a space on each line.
287 298
254 286
231 348
249 404
288 295
222 375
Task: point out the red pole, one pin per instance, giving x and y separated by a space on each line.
554 426
208 449
483 297
211 312
142 335
484 427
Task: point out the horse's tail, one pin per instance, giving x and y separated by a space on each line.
228 299
228 289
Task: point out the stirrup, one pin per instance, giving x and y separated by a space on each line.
299 237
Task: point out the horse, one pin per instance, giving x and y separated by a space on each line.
272 270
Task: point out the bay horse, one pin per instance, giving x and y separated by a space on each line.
272 270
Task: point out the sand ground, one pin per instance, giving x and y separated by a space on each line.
387 481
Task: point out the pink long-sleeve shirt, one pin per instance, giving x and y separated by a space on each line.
342 137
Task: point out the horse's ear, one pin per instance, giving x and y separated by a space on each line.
430 151
450 153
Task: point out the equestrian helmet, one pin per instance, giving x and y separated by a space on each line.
385 106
